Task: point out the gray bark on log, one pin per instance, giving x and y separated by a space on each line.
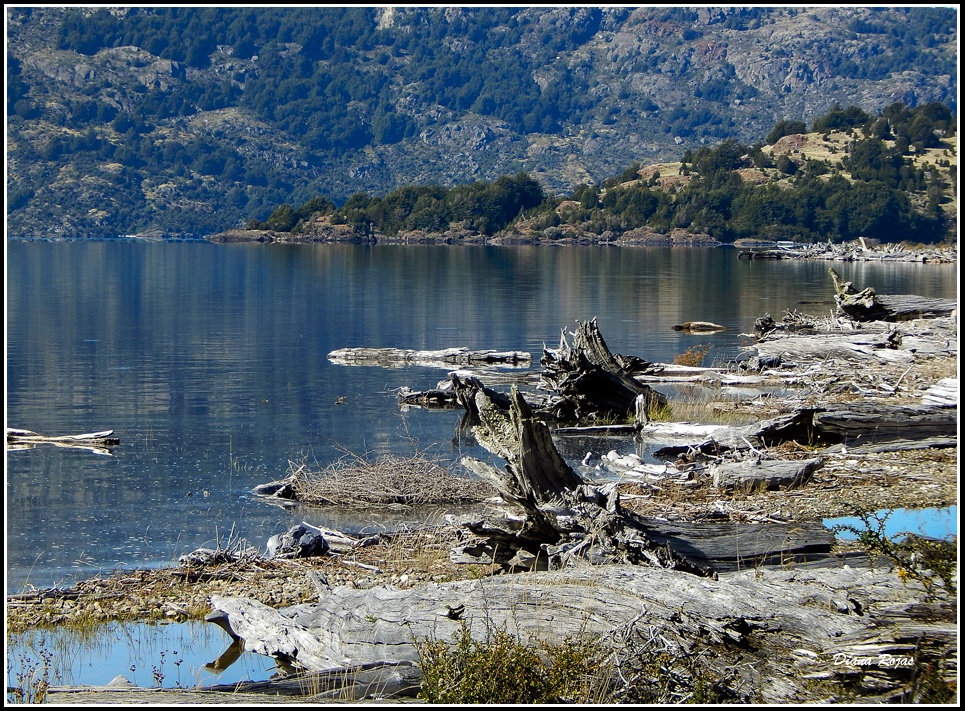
878 423
763 474
944 393
849 424
865 305
773 631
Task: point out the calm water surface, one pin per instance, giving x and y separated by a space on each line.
210 364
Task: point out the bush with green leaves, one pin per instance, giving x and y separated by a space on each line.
501 669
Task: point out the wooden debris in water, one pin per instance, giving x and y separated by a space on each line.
447 357
96 442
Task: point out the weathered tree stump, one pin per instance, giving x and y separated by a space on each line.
591 380
565 518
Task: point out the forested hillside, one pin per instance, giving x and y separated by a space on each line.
191 120
890 177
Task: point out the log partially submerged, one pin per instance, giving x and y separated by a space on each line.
446 357
96 442
866 305
699 327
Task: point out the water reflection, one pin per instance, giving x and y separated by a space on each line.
210 364
172 655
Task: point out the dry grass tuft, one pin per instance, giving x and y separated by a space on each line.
357 482
693 357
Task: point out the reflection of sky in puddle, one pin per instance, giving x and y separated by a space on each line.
148 655
935 523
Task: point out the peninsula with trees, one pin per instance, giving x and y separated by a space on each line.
889 177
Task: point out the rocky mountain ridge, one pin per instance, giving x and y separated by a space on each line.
117 139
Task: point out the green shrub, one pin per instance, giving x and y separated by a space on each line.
504 670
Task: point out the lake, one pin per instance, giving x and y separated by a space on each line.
210 364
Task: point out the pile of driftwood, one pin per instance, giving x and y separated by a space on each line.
765 613
866 305
858 251
773 613
580 382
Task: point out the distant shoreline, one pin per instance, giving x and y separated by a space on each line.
752 249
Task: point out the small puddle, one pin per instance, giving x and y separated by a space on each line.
934 523
165 655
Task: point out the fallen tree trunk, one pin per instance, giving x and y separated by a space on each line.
397 357
865 305
591 381
848 424
753 636
864 422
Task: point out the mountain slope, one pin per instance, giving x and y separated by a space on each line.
191 120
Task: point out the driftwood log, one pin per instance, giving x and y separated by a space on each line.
866 305
850 424
96 442
759 635
447 357
592 381
757 473
699 327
